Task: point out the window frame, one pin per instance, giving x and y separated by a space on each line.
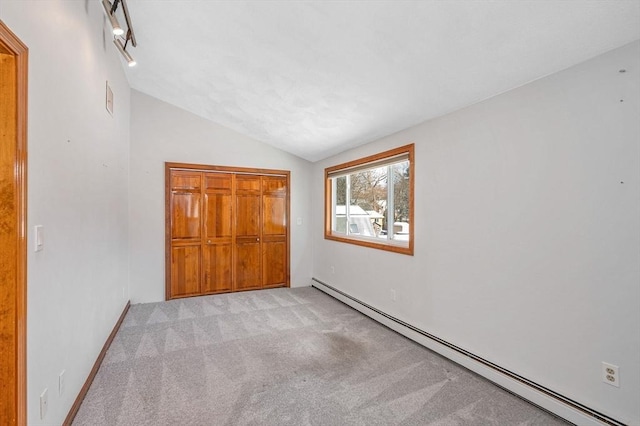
406 150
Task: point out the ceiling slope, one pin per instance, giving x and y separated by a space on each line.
315 78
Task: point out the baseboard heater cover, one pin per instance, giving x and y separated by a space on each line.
551 401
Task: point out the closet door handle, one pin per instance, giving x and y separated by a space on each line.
257 239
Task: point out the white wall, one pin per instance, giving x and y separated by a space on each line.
161 132
77 186
527 241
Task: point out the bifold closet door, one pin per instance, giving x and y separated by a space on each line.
186 232
274 231
227 230
218 230
248 262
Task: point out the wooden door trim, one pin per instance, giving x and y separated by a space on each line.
224 169
10 44
170 166
167 232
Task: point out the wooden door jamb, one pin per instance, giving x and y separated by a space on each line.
15 206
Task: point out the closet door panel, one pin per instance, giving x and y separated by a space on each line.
248 271
185 270
248 184
274 215
185 217
274 205
218 181
185 205
248 215
218 219
218 263
274 261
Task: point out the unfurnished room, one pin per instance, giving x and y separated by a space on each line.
270 212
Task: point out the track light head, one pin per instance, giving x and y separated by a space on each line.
130 61
117 30
109 11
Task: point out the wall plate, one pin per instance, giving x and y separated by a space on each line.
109 99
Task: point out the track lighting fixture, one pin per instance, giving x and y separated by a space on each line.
119 34
110 11
123 50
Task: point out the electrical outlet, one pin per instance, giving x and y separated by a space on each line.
333 270
124 293
393 295
61 383
44 403
610 374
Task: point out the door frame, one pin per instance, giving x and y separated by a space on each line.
169 166
16 301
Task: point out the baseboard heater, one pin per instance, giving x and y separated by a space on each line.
584 410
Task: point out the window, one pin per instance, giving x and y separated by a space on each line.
369 202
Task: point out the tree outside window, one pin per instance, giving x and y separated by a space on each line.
369 201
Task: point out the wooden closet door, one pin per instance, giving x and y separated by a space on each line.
248 260
227 229
274 231
186 233
218 229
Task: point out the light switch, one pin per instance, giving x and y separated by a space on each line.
299 221
39 237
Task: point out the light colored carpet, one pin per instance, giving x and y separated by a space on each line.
283 357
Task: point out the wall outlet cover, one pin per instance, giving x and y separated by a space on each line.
611 374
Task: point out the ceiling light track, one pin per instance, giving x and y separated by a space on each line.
123 50
119 34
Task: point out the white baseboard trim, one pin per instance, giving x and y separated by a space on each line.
548 400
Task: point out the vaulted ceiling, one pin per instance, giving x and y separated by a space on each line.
317 77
